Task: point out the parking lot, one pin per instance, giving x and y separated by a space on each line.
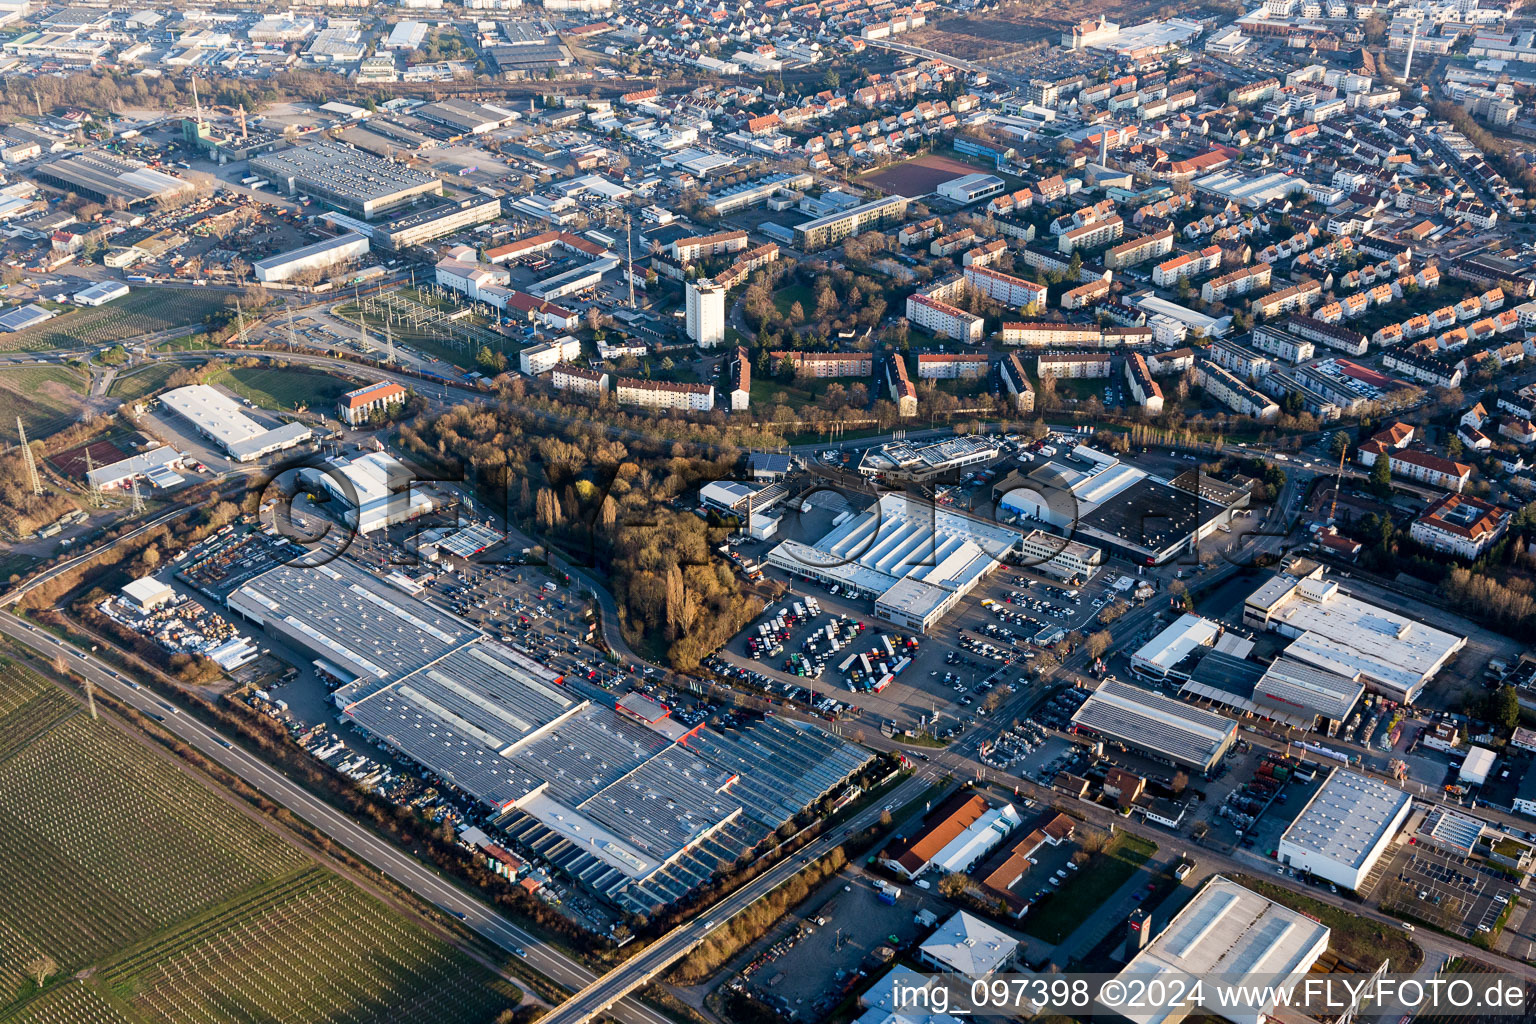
1452 893
805 969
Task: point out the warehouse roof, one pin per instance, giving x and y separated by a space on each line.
1347 818
970 946
325 245
1230 932
1152 722
216 415
1163 653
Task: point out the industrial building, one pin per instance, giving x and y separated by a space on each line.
916 461
1288 692
158 466
915 559
969 947
1100 500
437 221
956 835
1162 728
1167 653
1389 652
100 293
1345 828
346 178
217 417
103 178
375 491
639 809
320 255
1227 931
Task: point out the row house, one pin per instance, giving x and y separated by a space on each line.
985 255
1298 296
1238 282
1139 250
1014 292
1074 365
1224 386
1350 342
1017 384
1420 466
952 365
1085 295
1142 387
827 364
943 320
1190 264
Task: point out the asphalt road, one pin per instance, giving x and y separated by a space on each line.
655 958
404 869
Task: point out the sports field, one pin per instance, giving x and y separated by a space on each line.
47 398
177 907
918 176
143 311
287 388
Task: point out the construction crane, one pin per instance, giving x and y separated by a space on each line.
1338 482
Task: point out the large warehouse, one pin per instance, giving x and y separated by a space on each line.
1100 500
1162 728
1390 653
639 810
320 255
1345 828
914 558
376 490
1228 932
217 417
1286 691
346 178
103 178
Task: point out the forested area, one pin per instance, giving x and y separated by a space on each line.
607 503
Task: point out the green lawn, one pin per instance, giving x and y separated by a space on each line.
47 398
764 390
1072 904
142 381
786 297
143 311
285 388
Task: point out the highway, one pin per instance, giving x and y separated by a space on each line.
407 871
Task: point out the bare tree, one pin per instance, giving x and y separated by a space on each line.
41 968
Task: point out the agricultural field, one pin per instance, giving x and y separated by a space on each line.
142 312
177 907
287 388
255 961
142 380
47 398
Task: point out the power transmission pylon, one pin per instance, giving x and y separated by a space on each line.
93 491
29 459
138 499
389 343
